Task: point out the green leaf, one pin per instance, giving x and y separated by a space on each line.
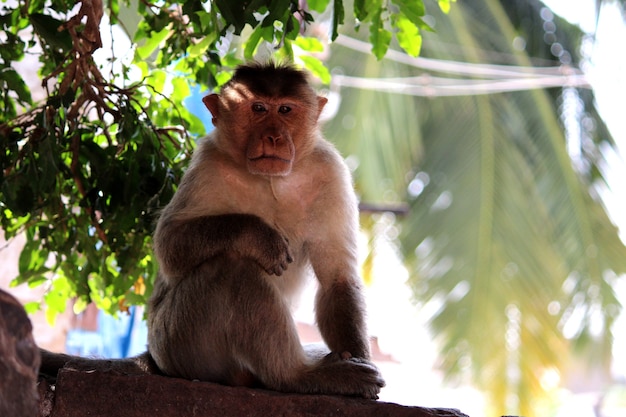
16 83
444 5
287 51
278 11
143 66
413 9
152 43
47 28
232 14
181 88
223 77
309 44
115 10
32 307
408 36
317 68
292 27
206 21
318 5
255 37
18 195
380 38
51 316
56 298
12 49
338 17
365 9
200 48
16 222
32 260
79 306
360 11
157 80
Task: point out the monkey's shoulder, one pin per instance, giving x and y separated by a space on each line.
325 157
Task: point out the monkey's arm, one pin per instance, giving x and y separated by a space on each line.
183 245
340 312
340 307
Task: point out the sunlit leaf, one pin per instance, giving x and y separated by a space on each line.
201 47
309 44
316 67
255 37
444 5
79 306
152 43
408 35
56 298
32 307
318 5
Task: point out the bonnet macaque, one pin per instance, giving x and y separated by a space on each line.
265 203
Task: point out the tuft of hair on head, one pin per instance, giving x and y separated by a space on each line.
271 79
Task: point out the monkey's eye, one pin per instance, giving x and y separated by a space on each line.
284 109
258 108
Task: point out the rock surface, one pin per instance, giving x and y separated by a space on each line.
19 360
79 394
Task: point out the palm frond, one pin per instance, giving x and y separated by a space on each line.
504 239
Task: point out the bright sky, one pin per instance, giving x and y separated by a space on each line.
607 74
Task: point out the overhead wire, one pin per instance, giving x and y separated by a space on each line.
495 78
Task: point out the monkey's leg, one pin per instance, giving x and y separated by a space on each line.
228 323
264 337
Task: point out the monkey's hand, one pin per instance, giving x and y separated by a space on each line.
270 249
182 245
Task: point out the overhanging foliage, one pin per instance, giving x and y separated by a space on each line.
85 168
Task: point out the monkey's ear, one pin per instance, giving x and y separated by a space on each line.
321 102
212 102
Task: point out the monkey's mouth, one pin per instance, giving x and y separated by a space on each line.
269 165
269 157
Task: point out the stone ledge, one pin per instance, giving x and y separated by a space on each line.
94 394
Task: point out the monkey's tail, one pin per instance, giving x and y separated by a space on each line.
52 362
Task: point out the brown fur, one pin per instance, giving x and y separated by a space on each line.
265 201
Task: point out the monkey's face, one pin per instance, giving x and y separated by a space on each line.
270 148
268 132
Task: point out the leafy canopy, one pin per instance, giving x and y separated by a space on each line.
88 159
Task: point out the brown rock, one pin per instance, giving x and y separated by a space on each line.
94 394
46 397
19 360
